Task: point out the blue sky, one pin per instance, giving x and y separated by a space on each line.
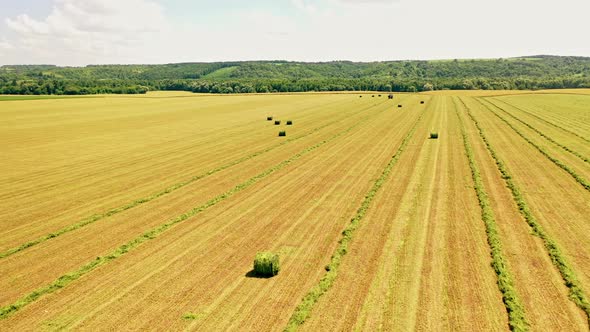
80 32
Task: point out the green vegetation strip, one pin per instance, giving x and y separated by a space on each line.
303 310
68 278
576 294
541 133
20 97
544 152
94 218
548 122
514 307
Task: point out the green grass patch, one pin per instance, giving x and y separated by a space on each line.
289 123
277 122
282 133
433 135
576 294
303 310
269 118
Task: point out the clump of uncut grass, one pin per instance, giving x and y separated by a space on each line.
277 122
269 118
266 264
282 133
289 122
434 135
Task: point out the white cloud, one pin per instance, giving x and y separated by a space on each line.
89 31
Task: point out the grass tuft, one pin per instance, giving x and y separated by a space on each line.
433 135
289 123
269 118
277 122
282 133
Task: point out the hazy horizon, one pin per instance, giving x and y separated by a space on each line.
92 32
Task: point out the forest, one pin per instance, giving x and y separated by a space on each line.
521 73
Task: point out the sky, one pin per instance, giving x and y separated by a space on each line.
81 32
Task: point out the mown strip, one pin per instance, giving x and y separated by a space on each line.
94 218
583 182
303 310
576 294
541 133
68 278
505 280
548 122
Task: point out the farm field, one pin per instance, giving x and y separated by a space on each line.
146 212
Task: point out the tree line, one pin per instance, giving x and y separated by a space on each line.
540 72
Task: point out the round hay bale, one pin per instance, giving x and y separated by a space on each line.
266 264
269 118
422 102
289 123
399 105
277 122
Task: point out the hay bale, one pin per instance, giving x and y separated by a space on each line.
277 122
289 122
399 105
390 96
266 264
282 133
433 135
422 102
378 95
360 96
269 118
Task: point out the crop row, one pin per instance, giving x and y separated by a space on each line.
68 278
516 313
541 133
556 161
551 123
303 310
94 218
576 294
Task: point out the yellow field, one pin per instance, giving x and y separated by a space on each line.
145 212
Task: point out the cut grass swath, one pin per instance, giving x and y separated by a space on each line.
68 278
576 294
583 182
505 280
549 122
94 218
586 160
303 310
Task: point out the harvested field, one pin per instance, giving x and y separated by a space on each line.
146 212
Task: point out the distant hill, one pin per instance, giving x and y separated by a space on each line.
528 72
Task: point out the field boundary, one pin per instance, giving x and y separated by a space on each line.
505 280
556 161
70 277
303 310
540 132
576 294
96 217
544 120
